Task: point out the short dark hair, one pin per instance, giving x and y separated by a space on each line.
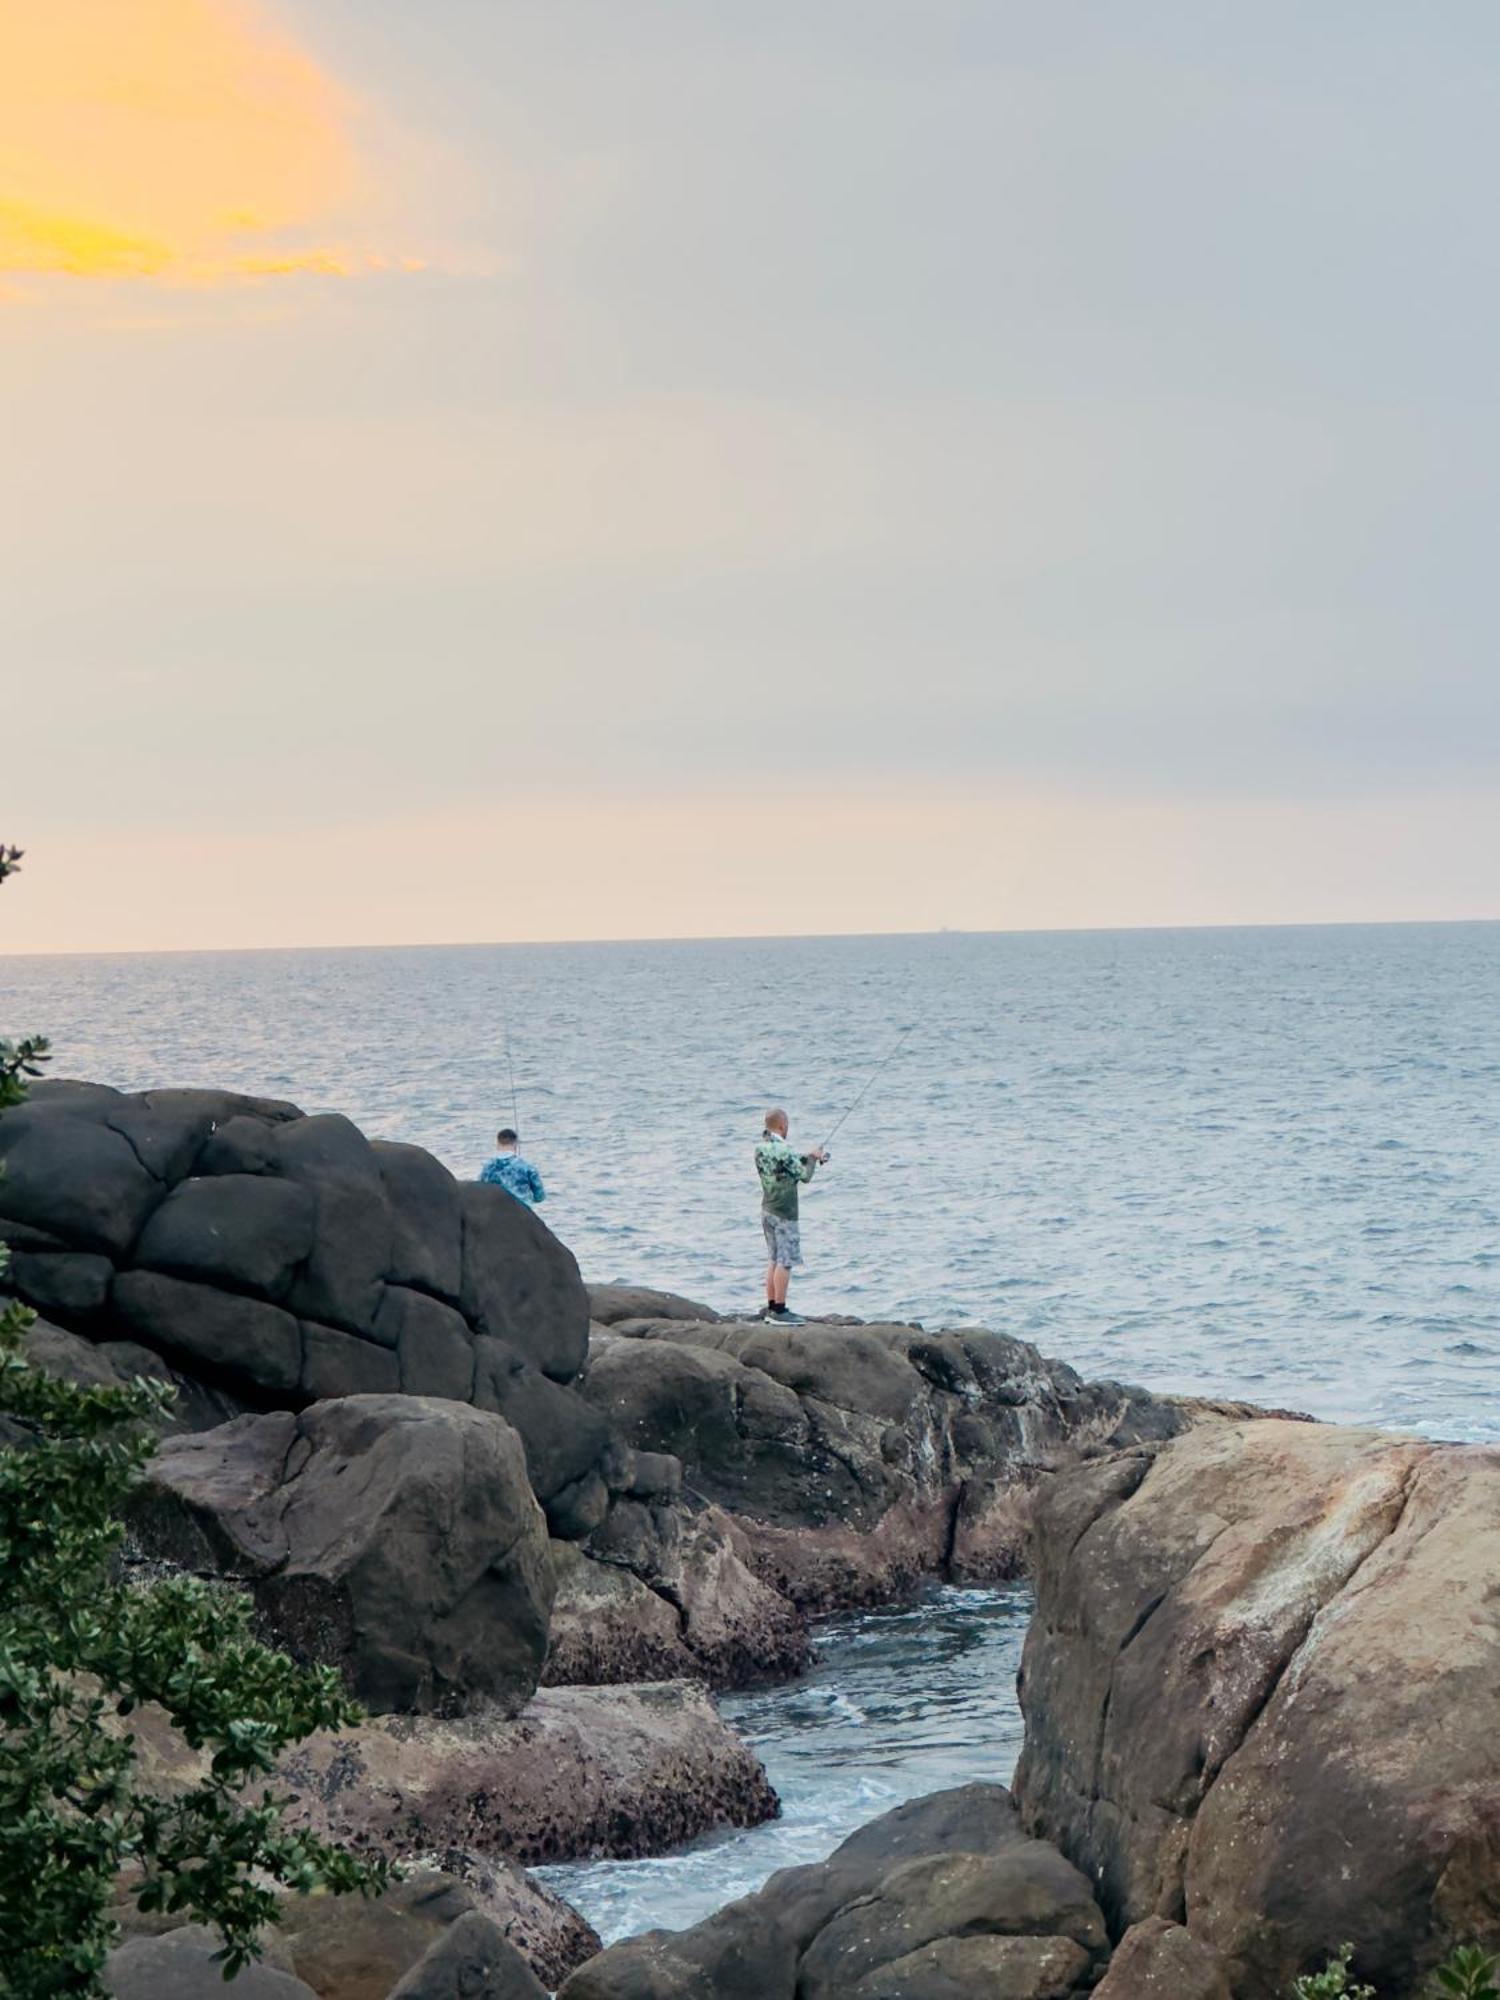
505 1137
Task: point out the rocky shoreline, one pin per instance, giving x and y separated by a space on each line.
532 1523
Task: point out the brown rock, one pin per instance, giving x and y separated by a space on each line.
1158 1960
181 1965
1262 1692
393 1536
583 1771
470 1961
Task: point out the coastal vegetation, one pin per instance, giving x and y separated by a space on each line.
1467 1974
82 1647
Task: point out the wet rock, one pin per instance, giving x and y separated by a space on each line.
582 1771
1242 1645
943 1897
394 1537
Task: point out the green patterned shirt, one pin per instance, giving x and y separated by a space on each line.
782 1169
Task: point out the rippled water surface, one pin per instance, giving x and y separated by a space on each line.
900 1703
1261 1162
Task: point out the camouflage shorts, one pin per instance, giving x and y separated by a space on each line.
783 1240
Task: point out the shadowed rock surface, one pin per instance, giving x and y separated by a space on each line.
945 1896
1262 1697
395 1537
858 1460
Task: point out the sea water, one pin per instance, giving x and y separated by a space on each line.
1257 1163
901 1702
1260 1163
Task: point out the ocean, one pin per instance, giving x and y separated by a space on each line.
1260 1163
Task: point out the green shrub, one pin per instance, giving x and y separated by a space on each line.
1333 1982
1469 1974
81 1647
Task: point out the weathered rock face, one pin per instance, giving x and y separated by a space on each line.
1262 1692
582 1771
661 1593
268 1260
943 1897
395 1537
857 1460
1158 1960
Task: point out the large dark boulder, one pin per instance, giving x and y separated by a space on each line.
1262 1696
514 1289
943 1897
249 1343
394 1537
247 1231
284 1257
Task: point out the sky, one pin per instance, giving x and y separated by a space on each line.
584 468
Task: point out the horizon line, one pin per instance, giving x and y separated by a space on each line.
766 937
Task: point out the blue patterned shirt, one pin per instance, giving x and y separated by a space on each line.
517 1176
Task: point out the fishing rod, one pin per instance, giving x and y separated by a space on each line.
510 1063
878 1071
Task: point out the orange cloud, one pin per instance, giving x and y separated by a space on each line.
186 142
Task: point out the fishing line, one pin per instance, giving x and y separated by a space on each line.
878 1071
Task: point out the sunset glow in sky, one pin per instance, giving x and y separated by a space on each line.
565 468
178 141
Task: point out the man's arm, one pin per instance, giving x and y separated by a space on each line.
538 1192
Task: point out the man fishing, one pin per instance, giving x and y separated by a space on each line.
509 1171
782 1171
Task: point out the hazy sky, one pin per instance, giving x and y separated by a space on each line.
627 467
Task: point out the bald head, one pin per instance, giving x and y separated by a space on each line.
776 1122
